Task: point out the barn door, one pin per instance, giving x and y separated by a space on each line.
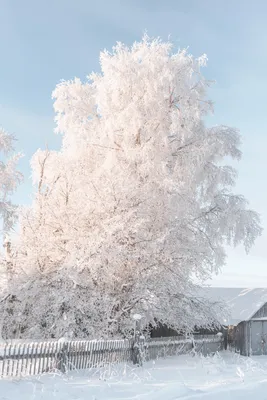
264 337
258 337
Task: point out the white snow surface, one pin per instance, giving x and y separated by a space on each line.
225 375
241 303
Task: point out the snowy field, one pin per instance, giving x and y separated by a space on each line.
223 376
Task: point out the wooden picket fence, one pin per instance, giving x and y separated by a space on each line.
23 359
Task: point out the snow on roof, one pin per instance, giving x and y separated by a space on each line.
241 304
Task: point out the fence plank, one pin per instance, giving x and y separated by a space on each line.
74 361
23 361
92 355
8 361
86 355
109 351
18 358
82 354
79 355
71 356
58 357
67 356
44 361
3 361
27 359
54 362
34 357
31 359
96 354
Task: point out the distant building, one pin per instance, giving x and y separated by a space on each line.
247 320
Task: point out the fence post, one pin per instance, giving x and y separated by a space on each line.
138 350
62 366
136 354
136 358
135 350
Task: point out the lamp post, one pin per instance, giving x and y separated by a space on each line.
136 318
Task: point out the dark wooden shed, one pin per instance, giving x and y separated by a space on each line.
247 318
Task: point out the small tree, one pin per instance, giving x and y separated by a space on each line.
10 178
136 205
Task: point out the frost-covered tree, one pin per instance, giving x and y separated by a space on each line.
10 178
136 207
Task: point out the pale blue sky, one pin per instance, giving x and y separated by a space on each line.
45 41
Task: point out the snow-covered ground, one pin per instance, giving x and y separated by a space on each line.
223 376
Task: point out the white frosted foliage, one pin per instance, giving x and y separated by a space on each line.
9 179
137 203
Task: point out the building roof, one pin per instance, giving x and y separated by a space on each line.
241 303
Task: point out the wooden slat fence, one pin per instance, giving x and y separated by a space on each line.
23 359
177 345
